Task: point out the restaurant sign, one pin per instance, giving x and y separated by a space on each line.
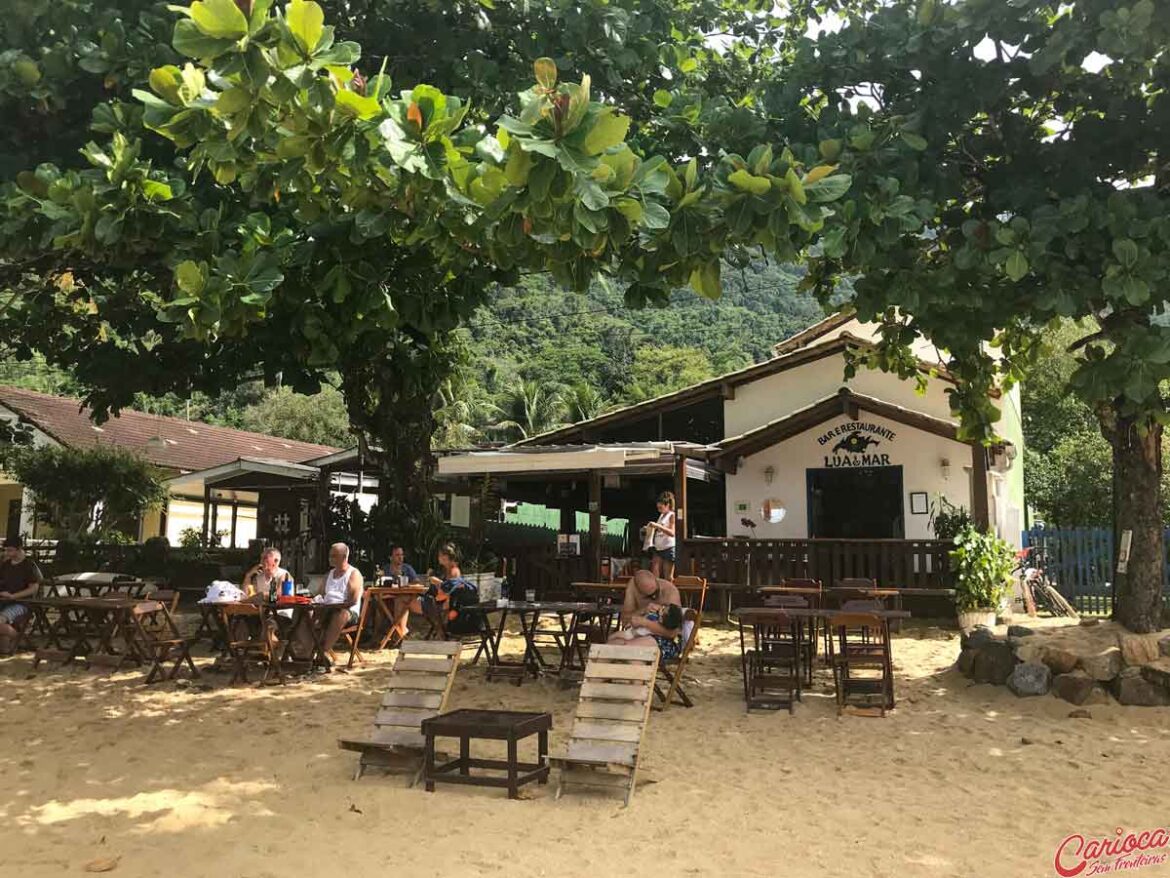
857 443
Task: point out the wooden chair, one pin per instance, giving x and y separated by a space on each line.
808 639
606 742
772 666
152 636
672 669
348 636
690 583
862 664
420 684
239 622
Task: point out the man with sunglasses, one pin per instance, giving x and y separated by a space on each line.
652 611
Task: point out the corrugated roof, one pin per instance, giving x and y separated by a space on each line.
190 445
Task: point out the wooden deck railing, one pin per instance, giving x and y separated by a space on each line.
893 563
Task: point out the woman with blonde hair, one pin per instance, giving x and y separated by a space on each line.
662 550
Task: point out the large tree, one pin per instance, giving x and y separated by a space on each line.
307 217
1039 189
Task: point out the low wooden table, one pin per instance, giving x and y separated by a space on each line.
493 725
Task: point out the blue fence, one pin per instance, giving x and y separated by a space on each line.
1079 561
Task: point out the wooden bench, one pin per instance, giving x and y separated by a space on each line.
420 684
606 742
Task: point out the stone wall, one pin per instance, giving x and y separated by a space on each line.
1091 663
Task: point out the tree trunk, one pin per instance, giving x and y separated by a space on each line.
1137 507
390 401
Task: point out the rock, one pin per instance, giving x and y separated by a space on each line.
976 637
1090 622
1060 661
1103 665
1075 688
1026 741
1158 673
1080 713
1099 695
1029 651
1164 645
993 663
1138 649
965 662
1030 678
1136 690
1019 631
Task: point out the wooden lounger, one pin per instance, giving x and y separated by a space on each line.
420 684
606 741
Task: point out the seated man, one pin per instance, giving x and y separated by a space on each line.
652 614
343 588
397 567
260 578
19 579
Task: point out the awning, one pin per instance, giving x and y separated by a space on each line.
243 474
636 458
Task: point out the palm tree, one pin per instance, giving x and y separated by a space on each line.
584 402
529 408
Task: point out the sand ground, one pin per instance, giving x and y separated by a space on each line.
960 780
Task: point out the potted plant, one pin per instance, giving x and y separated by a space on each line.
982 564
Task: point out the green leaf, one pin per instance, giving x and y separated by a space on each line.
190 277
190 41
221 19
663 98
654 215
233 101
912 140
546 72
705 280
165 83
748 182
27 71
1016 265
830 150
357 105
608 131
795 187
631 209
306 22
828 188
518 166
818 173
1126 252
156 190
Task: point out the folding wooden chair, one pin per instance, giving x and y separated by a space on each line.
244 646
686 584
606 742
153 636
862 665
348 636
420 685
672 669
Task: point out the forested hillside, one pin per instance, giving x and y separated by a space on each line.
535 357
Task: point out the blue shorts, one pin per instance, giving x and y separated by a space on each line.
665 554
13 614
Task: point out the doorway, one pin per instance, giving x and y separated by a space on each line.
856 503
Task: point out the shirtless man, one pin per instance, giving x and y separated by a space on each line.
647 602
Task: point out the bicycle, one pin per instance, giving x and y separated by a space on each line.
1035 586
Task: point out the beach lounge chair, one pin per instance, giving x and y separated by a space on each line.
672 669
606 742
420 684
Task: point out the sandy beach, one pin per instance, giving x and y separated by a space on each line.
960 780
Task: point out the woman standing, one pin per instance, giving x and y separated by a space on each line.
662 553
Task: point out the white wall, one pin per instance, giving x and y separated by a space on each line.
919 453
923 349
778 395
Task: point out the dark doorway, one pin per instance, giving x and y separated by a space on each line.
13 524
856 503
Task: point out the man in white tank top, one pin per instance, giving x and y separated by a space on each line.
343 588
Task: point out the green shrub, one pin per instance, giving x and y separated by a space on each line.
982 564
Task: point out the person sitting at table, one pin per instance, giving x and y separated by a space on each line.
443 604
343 587
397 567
19 579
652 606
262 576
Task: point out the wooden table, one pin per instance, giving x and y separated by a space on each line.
494 725
84 628
533 662
379 600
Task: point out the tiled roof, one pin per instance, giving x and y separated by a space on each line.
190 445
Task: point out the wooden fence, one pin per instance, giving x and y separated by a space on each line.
892 563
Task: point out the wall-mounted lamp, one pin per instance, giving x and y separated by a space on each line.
769 474
945 466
